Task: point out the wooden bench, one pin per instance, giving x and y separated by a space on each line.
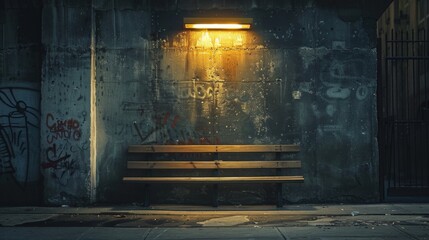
215 164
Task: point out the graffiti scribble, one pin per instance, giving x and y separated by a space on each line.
18 120
62 129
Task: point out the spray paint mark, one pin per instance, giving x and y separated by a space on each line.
18 120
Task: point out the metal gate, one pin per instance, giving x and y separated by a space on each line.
403 107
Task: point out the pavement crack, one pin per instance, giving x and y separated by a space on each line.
405 232
157 236
284 237
147 233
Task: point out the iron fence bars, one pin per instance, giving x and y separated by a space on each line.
404 117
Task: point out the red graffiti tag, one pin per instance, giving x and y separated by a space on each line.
62 129
54 158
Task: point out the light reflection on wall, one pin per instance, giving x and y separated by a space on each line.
218 39
212 73
209 55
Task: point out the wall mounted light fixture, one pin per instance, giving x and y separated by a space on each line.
218 23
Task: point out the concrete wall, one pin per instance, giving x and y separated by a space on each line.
20 51
305 74
123 89
65 115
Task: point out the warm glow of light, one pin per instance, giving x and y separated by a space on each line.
217 26
205 41
217 40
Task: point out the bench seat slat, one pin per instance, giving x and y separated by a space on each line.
171 148
211 148
218 164
257 148
250 179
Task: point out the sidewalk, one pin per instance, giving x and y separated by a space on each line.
363 221
304 209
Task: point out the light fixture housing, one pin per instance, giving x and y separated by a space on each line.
218 23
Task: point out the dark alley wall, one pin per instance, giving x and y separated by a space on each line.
20 66
304 74
124 90
66 99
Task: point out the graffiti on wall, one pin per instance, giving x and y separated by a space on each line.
197 91
62 129
133 107
65 151
344 85
170 128
174 129
19 134
342 78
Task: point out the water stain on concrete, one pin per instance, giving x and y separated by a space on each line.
225 221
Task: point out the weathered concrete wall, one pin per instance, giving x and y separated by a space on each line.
123 89
20 102
65 125
305 74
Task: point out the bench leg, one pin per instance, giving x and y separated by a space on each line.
215 195
146 202
279 187
216 186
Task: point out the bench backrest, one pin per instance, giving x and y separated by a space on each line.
213 164
212 148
